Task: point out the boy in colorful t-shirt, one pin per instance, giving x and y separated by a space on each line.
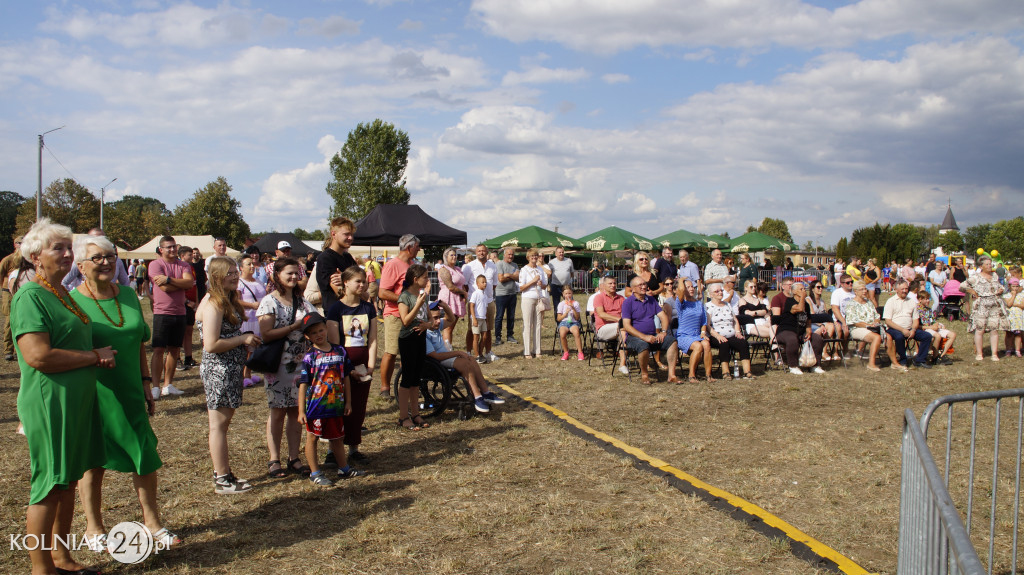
324 392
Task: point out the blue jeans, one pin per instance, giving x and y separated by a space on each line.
504 304
924 343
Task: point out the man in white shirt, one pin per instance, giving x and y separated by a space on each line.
840 299
688 269
482 265
560 275
716 271
902 322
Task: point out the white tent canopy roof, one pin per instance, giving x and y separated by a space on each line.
147 251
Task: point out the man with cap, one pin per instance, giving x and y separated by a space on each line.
284 250
6 267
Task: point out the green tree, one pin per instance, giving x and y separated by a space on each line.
951 241
66 202
776 229
974 237
842 249
1007 237
315 235
212 211
369 170
134 220
9 203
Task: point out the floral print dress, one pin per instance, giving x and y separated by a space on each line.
988 312
281 389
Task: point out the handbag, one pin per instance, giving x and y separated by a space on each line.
544 303
807 358
267 357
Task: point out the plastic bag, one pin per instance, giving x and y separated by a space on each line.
807 358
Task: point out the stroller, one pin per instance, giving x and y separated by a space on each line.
951 302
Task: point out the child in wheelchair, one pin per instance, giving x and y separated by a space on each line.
460 361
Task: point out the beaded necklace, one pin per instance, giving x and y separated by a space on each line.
117 302
73 308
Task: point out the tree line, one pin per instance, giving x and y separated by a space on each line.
900 242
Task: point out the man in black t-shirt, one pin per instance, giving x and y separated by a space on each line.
334 260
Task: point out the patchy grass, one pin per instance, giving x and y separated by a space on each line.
514 493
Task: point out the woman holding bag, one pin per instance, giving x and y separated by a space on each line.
280 315
532 281
794 329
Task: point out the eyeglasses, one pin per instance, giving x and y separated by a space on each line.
641 259
847 283
641 286
100 258
819 287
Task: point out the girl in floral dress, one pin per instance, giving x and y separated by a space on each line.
1014 316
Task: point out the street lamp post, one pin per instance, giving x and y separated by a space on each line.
102 192
39 190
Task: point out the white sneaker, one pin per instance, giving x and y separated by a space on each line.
171 390
155 392
623 370
795 371
817 369
492 357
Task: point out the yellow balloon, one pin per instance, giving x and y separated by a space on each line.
994 254
981 251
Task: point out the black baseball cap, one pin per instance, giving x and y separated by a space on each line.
310 320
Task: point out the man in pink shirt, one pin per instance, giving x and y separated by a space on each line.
607 314
391 278
171 279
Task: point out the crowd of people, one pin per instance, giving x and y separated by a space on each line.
311 331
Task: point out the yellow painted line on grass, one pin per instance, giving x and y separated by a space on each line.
845 564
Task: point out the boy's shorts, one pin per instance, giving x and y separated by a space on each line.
481 328
329 429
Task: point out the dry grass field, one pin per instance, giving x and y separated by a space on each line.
513 492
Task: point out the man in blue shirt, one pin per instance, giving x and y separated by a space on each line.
643 334
665 266
460 361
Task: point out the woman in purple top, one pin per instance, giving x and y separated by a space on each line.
251 292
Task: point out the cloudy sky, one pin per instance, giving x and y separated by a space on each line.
652 115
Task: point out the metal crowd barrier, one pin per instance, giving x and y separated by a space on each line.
771 277
927 532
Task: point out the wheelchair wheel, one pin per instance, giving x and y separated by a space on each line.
435 388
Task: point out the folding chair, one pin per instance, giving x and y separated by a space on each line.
633 360
608 347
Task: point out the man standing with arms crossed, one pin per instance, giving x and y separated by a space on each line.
505 296
482 265
392 277
716 271
561 275
171 279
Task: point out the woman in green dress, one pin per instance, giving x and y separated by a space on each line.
125 406
57 400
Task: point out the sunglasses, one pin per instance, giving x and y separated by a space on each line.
847 283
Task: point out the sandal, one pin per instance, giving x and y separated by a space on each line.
749 375
300 470
710 379
277 473
410 427
645 381
418 420
673 380
694 380
726 376
164 539
97 543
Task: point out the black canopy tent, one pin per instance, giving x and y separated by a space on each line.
386 223
268 244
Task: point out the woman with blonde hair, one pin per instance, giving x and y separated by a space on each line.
452 290
642 269
532 284
220 316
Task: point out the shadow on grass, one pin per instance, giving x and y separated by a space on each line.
430 446
281 523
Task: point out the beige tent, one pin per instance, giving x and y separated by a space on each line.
147 251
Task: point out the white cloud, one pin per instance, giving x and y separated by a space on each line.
419 176
298 197
615 78
596 25
411 25
541 75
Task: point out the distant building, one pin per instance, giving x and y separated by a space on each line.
948 222
811 258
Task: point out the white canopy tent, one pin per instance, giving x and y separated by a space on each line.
147 251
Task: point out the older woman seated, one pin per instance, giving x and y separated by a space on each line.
865 325
726 333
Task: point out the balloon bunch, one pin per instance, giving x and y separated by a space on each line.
996 258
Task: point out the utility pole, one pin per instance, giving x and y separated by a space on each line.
39 189
102 192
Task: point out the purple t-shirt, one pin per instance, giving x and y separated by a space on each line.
324 373
169 303
641 313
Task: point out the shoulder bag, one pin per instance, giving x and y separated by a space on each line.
267 357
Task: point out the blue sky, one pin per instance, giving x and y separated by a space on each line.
652 115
